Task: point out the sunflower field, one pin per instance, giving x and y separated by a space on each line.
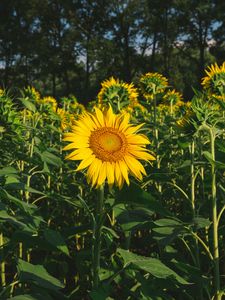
121 199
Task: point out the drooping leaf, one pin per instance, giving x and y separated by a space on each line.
28 104
38 275
56 240
151 265
134 194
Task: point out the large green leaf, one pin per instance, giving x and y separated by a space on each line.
36 296
134 194
56 240
24 297
6 171
6 217
38 275
28 104
50 158
151 265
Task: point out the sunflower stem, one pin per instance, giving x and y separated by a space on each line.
211 133
192 153
97 231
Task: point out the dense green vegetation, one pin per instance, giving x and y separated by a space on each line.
89 209
160 238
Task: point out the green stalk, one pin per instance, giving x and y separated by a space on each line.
156 136
214 213
215 222
3 281
193 177
97 231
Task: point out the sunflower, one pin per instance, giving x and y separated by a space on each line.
214 82
65 118
116 91
50 102
172 97
109 146
2 92
32 93
152 83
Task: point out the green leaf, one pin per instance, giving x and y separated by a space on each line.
168 222
8 171
5 216
29 105
56 240
201 222
38 275
35 296
134 194
24 297
133 219
23 205
50 158
218 164
151 265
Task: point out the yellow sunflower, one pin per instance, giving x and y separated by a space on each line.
214 82
2 92
65 117
49 101
152 83
115 90
32 93
108 146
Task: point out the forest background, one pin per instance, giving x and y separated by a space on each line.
64 47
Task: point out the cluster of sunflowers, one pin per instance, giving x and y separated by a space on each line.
108 145
66 112
102 138
105 141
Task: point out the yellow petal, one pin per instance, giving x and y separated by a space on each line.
133 129
102 174
97 166
99 116
137 139
110 172
123 169
85 163
135 166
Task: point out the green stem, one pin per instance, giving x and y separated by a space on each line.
192 151
3 262
214 213
193 177
214 219
97 237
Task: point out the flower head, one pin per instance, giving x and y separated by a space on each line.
108 146
65 118
115 90
32 93
2 92
214 82
152 83
172 97
50 102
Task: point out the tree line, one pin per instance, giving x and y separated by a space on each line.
64 47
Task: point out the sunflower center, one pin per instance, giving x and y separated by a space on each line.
108 144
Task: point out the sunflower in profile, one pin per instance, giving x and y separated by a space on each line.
108 146
115 91
214 82
173 100
152 84
65 118
32 94
2 92
50 102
